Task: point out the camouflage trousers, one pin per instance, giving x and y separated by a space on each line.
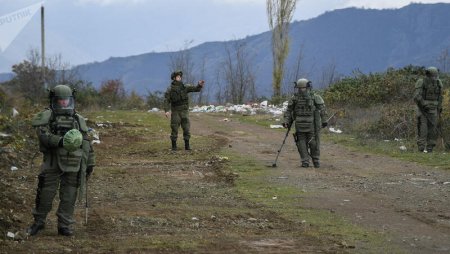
49 181
427 133
305 141
178 118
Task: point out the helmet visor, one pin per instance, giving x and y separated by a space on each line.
63 103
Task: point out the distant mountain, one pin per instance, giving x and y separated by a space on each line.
347 39
6 76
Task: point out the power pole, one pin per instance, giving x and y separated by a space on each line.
43 47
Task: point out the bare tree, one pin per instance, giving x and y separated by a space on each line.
279 14
238 74
182 60
329 75
444 60
202 96
294 73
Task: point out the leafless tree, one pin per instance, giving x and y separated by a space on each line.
279 14
182 60
294 73
329 75
444 60
238 74
202 96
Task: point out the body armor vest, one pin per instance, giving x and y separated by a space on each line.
304 113
178 95
304 106
431 90
67 161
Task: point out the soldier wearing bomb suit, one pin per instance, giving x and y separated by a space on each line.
428 98
177 101
68 159
306 111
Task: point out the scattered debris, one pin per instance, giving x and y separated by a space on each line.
154 110
276 126
10 235
403 148
14 168
15 112
331 129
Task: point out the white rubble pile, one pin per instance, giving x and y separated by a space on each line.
253 109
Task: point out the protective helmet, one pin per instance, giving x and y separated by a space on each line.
61 100
303 83
432 72
72 140
176 73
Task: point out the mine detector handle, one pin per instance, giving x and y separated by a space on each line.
329 118
284 141
86 205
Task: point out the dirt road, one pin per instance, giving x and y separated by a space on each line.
146 199
407 202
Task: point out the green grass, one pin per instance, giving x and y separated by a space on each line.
439 158
254 184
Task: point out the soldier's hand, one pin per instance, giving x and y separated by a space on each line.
201 83
285 125
167 114
324 125
89 171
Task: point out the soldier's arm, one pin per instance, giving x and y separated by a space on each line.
192 88
43 132
418 97
47 138
167 100
320 106
288 119
440 95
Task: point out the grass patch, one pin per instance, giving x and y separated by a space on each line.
438 158
256 184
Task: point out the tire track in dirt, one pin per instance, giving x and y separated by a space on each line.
407 202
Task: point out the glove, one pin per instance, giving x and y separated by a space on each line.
285 125
89 171
324 125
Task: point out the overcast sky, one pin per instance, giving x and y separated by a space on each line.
93 30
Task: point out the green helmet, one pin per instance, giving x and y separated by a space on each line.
302 83
176 73
72 140
61 100
432 72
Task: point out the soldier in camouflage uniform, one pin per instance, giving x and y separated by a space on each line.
306 110
68 159
428 98
177 100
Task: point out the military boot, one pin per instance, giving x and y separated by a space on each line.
35 228
65 231
174 145
305 165
186 145
316 164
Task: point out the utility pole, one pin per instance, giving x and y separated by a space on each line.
43 47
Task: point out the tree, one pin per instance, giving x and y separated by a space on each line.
238 74
182 60
444 60
279 14
112 93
